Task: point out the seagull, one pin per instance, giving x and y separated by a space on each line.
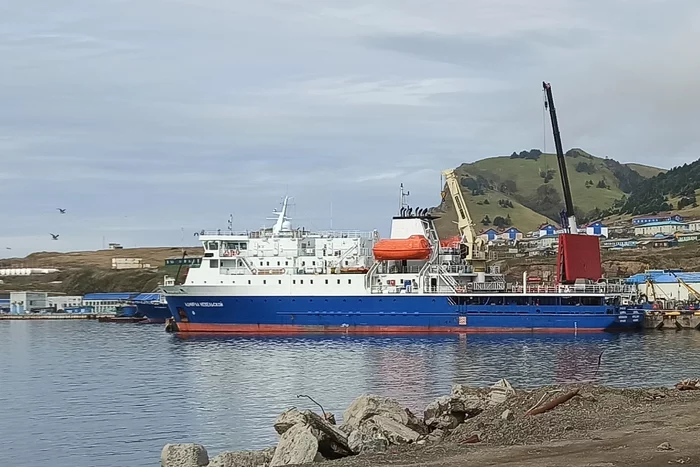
55 236
62 211
8 248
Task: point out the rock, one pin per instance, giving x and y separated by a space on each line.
184 455
332 442
329 417
288 419
437 435
319 458
393 431
666 446
243 458
297 445
421 441
500 392
448 412
368 405
364 442
507 415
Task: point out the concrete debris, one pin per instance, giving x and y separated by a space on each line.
297 445
448 412
501 391
507 415
666 446
688 384
368 405
184 455
288 419
243 459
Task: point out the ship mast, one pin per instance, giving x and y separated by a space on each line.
402 198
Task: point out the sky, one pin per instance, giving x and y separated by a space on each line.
149 120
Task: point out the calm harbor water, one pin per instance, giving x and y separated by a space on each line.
88 394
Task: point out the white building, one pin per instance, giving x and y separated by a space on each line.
25 271
666 228
129 263
597 228
65 301
694 226
25 302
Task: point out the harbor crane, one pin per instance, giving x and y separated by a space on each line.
578 257
568 217
475 245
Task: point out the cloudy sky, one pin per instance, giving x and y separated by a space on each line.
150 119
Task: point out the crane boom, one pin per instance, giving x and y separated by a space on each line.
569 218
476 253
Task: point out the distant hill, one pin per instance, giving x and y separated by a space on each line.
676 189
524 189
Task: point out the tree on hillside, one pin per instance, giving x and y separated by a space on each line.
486 220
500 222
585 167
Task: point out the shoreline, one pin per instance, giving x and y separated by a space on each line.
597 426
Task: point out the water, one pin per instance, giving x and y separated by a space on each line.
88 394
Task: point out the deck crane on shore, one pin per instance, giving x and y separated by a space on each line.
475 246
578 257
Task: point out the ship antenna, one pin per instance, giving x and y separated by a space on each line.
402 197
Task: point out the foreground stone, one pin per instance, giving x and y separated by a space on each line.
297 445
184 455
243 459
332 442
369 405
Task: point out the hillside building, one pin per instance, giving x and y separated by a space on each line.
662 217
665 227
62 302
597 228
106 303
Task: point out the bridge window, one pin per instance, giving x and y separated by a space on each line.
213 263
243 246
212 245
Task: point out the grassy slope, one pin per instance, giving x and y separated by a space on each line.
645 170
526 174
522 217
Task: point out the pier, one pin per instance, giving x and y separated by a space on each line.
50 316
672 320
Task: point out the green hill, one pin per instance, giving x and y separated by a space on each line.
528 186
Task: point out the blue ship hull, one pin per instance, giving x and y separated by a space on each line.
386 313
156 313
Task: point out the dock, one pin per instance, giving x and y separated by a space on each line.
50 316
672 320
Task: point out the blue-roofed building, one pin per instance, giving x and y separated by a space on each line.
105 303
4 305
662 217
489 235
665 227
546 230
666 284
597 228
512 234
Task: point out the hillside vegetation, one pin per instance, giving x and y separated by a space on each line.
675 189
84 272
524 189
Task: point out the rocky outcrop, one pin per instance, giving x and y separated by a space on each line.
332 442
368 405
464 402
243 459
184 455
297 445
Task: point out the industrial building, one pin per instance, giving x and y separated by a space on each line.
62 302
129 263
667 284
105 303
26 302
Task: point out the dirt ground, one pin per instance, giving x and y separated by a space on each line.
600 428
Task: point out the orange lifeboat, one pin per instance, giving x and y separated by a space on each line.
415 247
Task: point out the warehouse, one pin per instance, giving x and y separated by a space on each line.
667 285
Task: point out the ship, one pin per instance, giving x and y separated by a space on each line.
153 306
283 280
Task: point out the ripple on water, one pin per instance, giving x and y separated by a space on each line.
110 395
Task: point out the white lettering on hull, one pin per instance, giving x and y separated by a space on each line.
203 304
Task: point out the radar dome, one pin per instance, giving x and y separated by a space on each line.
286 225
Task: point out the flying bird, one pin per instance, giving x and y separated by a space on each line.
62 211
55 236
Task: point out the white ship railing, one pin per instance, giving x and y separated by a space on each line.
290 233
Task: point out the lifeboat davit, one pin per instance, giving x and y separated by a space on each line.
415 247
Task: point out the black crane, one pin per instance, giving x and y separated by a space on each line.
568 218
